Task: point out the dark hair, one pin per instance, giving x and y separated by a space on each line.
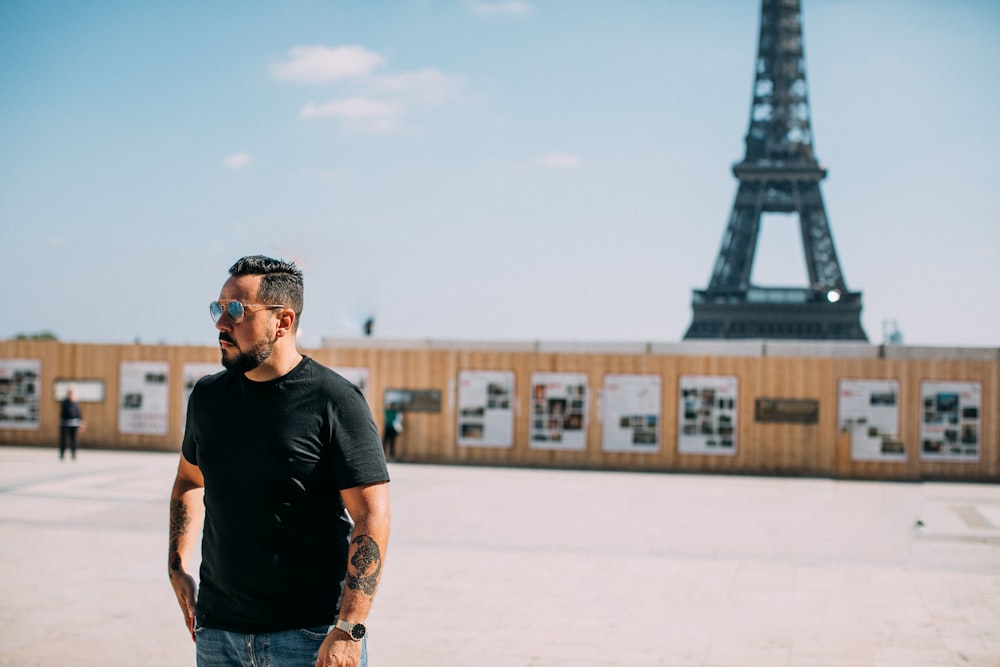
281 281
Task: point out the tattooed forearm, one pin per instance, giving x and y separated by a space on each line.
367 562
179 519
179 522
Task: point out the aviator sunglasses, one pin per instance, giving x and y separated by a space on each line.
237 310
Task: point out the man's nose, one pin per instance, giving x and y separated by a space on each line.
224 323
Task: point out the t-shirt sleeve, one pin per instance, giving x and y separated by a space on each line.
359 446
189 446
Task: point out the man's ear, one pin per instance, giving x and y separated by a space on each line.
286 322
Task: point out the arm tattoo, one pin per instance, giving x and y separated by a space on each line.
179 522
367 557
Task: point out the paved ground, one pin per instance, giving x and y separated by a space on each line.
509 567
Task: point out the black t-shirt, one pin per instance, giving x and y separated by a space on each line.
275 456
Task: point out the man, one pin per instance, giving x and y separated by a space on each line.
393 427
280 454
70 421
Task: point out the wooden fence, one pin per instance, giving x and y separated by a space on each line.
745 408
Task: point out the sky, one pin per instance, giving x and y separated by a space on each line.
509 170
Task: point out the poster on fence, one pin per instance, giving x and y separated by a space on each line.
485 409
950 420
706 418
20 385
869 411
143 398
630 413
356 375
87 391
193 372
558 411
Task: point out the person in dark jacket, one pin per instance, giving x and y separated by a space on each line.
69 423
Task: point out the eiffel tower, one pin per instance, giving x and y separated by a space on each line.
779 174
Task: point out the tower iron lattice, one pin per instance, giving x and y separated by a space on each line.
778 174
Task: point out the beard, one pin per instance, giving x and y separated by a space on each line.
244 362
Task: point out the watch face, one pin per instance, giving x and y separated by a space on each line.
358 632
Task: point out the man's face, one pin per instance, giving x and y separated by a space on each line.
247 344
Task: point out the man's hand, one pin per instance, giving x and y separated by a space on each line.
187 513
339 650
186 592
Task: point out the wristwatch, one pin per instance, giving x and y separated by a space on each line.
356 631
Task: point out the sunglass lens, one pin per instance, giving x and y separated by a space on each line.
232 308
235 310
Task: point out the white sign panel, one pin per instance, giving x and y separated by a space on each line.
20 385
630 413
869 411
486 408
950 421
143 397
358 376
558 411
87 391
193 372
706 421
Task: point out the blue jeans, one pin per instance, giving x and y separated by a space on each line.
291 648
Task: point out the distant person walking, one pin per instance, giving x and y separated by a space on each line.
393 427
70 421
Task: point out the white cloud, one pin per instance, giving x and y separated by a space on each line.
350 108
237 160
560 160
323 64
500 7
984 252
373 103
329 175
426 86
360 114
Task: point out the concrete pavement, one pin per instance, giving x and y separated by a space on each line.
515 567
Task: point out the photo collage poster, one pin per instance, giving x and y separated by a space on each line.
193 372
558 411
486 408
949 424
20 386
869 411
706 421
630 413
356 375
143 397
